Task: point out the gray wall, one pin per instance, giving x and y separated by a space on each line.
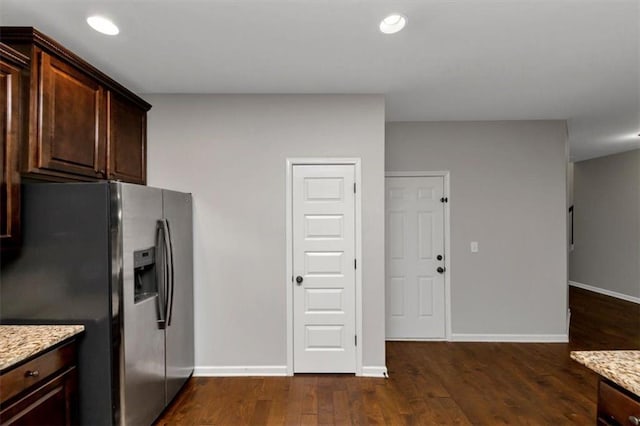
230 152
508 192
606 197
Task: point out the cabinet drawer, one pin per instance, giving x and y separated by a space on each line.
38 369
615 406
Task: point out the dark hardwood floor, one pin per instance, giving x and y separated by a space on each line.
435 383
602 322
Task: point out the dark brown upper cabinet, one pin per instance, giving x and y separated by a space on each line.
83 125
71 121
127 140
13 67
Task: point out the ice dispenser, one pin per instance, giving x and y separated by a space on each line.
144 270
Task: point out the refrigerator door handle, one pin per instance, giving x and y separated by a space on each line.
168 264
172 274
161 304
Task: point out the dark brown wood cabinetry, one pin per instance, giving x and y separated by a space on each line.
71 120
42 390
82 124
61 119
617 406
127 159
12 67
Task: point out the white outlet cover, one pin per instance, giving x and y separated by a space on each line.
474 247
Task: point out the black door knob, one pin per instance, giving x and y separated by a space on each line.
439 257
299 279
440 270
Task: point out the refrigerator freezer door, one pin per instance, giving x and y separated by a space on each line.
179 330
143 393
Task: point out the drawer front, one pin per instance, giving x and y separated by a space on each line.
35 371
615 407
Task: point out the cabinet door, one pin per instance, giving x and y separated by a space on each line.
53 403
127 140
10 129
71 120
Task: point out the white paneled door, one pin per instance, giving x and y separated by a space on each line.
415 288
324 269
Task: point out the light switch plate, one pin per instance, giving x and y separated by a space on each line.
474 247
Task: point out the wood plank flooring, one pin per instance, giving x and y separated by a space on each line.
602 322
435 383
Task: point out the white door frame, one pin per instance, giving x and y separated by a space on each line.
447 238
289 242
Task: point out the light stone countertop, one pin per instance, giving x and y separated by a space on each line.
19 342
621 367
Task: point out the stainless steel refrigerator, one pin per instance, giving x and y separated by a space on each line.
117 258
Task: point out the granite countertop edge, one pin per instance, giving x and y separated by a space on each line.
20 343
620 367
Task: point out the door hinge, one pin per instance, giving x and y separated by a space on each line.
354 187
291 278
356 339
444 200
355 263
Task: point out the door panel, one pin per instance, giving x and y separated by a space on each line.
11 134
425 292
179 332
324 226
395 294
71 121
415 237
323 256
144 380
127 140
324 300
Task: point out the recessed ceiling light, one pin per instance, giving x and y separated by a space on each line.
393 23
102 25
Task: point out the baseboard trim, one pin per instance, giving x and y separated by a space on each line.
375 372
267 370
240 370
412 339
521 338
599 290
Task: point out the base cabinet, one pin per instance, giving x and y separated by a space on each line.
53 403
616 406
42 391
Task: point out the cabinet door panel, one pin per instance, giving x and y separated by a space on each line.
10 127
72 117
127 140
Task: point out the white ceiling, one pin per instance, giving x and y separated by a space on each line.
455 60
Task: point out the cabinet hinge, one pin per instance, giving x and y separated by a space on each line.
356 339
355 263
354 187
